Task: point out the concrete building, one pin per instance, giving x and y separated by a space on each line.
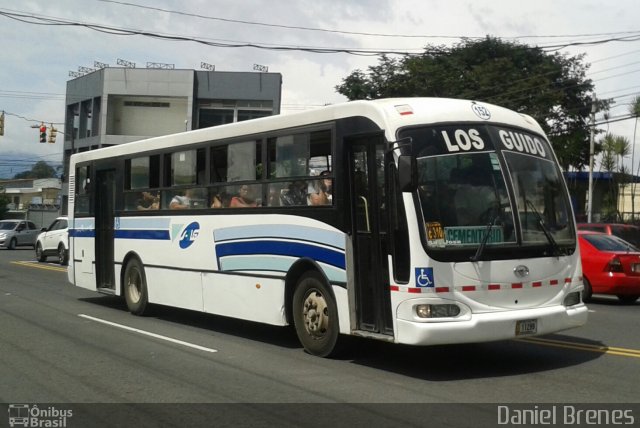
32 199
118 105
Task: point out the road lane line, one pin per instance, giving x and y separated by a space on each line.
41 266
157 336
624 352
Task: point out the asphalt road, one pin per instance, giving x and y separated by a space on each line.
62 344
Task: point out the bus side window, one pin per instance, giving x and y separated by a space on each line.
83 190
245 197
322 190
295 194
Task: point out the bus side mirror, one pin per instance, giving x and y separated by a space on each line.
407 173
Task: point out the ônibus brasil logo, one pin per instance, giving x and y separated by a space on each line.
189 234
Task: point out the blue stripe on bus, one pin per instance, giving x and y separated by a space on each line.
142 234
295 249
271 263
124 234
82 233
305 233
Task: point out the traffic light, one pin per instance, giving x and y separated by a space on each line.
52 134
2 124
43 133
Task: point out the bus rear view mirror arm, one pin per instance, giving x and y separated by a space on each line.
407 173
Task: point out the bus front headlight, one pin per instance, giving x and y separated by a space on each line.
437 311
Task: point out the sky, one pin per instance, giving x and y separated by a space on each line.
36 59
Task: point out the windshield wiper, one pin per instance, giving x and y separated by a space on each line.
485 238
555 248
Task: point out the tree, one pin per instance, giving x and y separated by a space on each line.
4 201
550 87
614 150
41 169
634 110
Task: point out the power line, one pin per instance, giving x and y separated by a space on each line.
42 20
34 120
358 33
48 21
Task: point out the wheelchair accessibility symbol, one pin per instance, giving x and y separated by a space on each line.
424 277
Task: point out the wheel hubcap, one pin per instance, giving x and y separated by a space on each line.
134 287
315 314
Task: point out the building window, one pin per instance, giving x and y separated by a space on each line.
185 168
85 119
214 117
220 112
252 114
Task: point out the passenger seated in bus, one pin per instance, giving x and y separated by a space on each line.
244 198
148 201
295 194
216 201
181 202
321 193
273 200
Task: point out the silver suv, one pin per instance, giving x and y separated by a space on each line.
17 232
54 241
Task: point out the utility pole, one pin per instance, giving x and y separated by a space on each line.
591 153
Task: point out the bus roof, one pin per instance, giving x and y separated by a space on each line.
389 114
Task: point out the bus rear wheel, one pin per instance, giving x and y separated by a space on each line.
315 315
135 287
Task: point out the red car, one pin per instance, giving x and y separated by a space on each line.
610 265
628 232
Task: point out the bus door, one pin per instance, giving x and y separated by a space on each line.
104 211
366 177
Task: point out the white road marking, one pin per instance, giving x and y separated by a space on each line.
157 336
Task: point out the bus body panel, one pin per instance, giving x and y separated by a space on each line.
484 327
81 271
224 265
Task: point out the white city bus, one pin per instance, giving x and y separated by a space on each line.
417 221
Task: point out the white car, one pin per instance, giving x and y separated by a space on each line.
54 241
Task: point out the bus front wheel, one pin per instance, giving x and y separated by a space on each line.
588 291
315 315
135 287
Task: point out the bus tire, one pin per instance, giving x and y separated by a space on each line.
315 315
588 291
135 287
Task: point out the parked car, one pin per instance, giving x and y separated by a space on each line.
628 232
610 265
54 241
14 233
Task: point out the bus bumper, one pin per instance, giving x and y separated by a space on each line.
486 327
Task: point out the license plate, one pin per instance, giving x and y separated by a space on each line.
526 327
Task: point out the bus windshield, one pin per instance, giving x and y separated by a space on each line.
483 185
